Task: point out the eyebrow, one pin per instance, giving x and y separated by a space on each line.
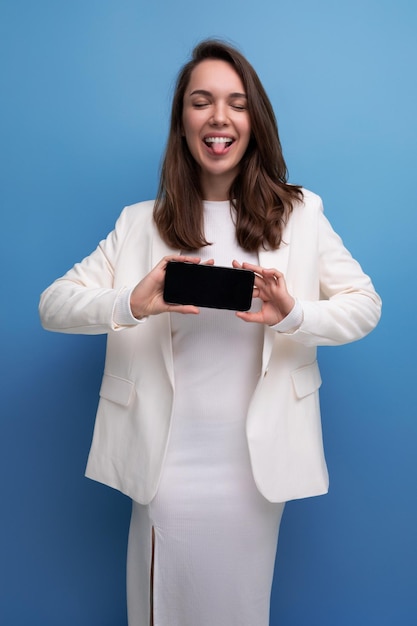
204 92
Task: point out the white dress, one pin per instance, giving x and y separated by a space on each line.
202 552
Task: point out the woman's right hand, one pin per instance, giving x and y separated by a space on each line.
147 297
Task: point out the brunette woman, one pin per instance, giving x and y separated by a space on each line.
209 419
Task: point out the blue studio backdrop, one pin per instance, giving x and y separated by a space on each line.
85 97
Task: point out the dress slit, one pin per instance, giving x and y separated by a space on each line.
151 581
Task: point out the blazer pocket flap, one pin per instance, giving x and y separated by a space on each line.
306 379
115 389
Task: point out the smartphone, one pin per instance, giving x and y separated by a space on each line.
209 286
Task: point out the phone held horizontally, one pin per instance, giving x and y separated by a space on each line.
208 286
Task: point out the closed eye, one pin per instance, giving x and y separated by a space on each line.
238 102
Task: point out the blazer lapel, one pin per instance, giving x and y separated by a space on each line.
277 259
159 250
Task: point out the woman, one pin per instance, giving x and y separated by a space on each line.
210 420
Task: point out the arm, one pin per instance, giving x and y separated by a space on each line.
85 300
82 301
347 307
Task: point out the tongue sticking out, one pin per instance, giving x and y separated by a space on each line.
219 148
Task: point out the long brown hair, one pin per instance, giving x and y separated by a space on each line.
260 193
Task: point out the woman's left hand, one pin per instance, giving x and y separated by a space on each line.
271 288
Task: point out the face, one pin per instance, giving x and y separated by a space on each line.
216 123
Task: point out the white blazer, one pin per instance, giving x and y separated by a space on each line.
132 425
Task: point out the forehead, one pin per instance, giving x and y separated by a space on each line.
215 75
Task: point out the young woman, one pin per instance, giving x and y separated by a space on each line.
209 419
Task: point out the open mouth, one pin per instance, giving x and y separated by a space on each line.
219 145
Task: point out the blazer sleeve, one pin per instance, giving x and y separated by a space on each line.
349 307
83 300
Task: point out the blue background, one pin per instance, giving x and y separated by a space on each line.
85 90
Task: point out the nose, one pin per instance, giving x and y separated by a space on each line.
219 117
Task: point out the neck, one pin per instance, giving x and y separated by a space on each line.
216 188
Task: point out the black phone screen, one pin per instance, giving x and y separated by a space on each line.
209 286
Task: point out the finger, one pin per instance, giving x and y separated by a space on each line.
180 259
256 289
263 284
187 309
273 281
246 316
271 273
254 268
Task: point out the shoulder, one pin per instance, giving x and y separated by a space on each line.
140 211
307 211
310 200
136 217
